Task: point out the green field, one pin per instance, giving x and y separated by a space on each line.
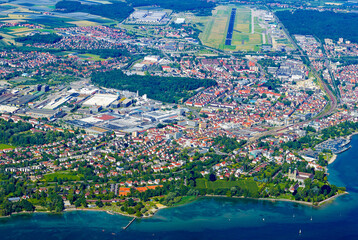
71 176
92 57
5 146
250 185
185 200
215 29
51 22
244 39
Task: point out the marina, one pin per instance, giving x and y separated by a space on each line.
337 146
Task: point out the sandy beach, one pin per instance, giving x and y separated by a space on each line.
333 158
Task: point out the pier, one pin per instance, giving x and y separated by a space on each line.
124 228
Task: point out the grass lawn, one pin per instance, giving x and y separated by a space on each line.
185 200
89 56
242 183
5 146
71 176
214 33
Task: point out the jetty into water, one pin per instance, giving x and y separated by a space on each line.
124 228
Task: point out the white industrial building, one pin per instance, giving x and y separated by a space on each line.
103 100
152 58
7 109
142 16
179 21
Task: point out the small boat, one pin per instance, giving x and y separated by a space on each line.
299 232
263 219
311 218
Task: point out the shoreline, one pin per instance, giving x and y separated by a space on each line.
313 204
155 210
350 136
331 198
332 159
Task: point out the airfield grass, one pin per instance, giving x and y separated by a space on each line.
243 38
258 28
215 31
216 28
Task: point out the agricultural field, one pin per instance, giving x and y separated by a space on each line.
31 11
84 23
247 34
53 22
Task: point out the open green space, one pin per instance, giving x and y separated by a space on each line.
92 57
215 29
243 39
185 200
247 184
5 146
63 175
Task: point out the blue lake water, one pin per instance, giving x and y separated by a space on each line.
211 218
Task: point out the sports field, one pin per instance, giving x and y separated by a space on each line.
247 35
